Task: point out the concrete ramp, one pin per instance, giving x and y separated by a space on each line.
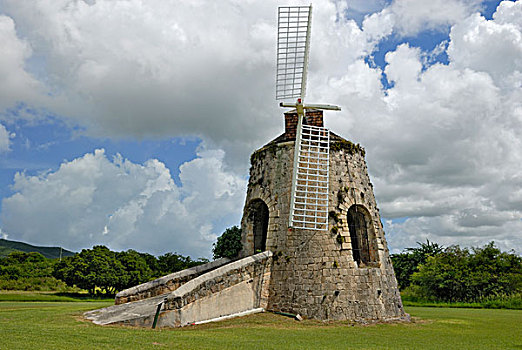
134 313
235 288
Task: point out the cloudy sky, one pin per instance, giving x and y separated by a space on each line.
130 123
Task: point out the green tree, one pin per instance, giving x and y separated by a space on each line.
19 265
460 274
17 257
91 268
172 262
111 271
228 245
152 263
28 271
136 269
407 263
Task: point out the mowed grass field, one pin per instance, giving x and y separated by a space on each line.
59 325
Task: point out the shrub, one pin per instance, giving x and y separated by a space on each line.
458 274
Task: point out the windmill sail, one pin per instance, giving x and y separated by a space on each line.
293 38
310 192
309 196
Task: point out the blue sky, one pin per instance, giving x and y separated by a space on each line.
175 107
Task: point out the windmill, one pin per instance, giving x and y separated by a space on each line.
309 196
346 275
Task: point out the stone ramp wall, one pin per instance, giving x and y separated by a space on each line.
231 289
166 284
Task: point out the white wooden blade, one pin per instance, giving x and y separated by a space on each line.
311 106
293 42
322 106
309 208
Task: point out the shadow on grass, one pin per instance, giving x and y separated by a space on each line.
86 296
512 301
52 296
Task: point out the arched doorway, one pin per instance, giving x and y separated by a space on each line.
258 217
362 236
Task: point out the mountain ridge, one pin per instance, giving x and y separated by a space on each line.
8 246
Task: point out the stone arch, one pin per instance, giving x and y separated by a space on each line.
257 222
362 236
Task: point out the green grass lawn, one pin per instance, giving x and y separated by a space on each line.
49 296
58 325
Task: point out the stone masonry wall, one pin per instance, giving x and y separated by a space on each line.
236 287
314 272
166 284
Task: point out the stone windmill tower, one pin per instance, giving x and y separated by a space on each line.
311 203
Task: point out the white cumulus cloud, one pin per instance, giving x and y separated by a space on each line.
95 200
17 85
414 16
444 143
165 69
410 17
5 137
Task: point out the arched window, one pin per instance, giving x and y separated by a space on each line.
258 217
362 236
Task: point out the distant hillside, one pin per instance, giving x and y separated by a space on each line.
7 247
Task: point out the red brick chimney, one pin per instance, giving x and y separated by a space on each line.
313 117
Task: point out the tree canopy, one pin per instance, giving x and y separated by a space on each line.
111 271
228 245
461 274
456 274
408 262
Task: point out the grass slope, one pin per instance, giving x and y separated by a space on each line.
59 325
7 247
